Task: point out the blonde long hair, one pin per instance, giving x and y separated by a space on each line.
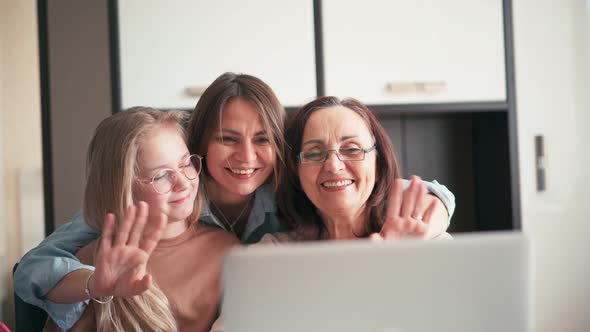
111 170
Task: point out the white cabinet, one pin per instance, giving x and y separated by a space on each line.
552 70
419 51
169 46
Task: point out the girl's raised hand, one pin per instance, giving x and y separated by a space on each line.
122 258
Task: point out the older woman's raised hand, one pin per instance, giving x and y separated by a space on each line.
409 213
122 258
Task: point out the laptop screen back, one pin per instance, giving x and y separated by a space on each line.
473 283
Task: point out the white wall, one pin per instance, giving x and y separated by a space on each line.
551 60
3 234
20 130
78 33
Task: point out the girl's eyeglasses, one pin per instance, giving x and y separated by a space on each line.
166 179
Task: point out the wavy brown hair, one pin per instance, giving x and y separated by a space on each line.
208 114
111 170
295 210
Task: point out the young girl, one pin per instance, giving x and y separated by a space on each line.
139 157
237 126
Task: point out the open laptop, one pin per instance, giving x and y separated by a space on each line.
476 282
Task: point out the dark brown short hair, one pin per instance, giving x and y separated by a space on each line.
207 114
296 211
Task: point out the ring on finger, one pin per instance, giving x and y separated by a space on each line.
417 217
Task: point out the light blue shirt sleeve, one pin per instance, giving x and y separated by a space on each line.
44 266
440 191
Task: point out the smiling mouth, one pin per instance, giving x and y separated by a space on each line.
337 184
181 200
242 173
246 171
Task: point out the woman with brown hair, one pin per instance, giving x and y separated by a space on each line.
342 180
244 158
237 126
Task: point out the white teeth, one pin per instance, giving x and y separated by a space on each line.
243 171
332 184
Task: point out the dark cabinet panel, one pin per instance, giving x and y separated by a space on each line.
440 147
492 172
467 152
393 127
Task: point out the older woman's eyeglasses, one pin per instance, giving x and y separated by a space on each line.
344 154
166 179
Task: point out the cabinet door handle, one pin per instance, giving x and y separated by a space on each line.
540 162
194 91
416 87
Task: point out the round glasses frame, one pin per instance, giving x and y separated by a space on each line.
163 184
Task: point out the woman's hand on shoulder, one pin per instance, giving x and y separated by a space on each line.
122 257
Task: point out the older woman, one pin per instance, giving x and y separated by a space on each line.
342 179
